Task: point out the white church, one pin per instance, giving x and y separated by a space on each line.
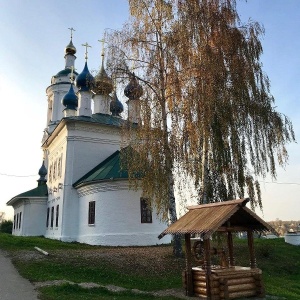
83 194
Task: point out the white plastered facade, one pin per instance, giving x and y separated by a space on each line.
72 147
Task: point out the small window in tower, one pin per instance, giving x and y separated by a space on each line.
48 213
52 216
146 211
91 216
57 215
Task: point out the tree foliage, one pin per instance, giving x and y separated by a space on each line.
207 110
227 103
6 226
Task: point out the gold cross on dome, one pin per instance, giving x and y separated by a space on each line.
71 29
86 45
102 41
72 74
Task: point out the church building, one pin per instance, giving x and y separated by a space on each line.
83 193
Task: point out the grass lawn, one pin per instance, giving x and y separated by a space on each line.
142 268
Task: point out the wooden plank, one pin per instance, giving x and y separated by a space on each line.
242 287
235 281
203 283
200 290
241 294
199 284
199 277
201 296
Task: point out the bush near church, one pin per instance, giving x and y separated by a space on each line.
6 226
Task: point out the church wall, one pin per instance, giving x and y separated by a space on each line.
81 147
75 150
53 231
35 221
70 215
117 217
87 146
56 164
91 145
18 210
33 217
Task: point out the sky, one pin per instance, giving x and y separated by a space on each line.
33 35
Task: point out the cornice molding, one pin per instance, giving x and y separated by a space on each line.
102 187
95 127
93 140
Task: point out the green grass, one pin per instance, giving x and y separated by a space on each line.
16 243
279 261
101 273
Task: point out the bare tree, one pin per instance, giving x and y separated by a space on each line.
2 216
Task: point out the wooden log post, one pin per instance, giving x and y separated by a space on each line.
230 249
207 265
251 249
189 279
224 294
260 290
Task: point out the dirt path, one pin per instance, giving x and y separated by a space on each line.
12 285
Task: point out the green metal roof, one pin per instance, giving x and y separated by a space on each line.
65 72
109 169
40 191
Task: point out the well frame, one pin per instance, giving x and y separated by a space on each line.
216 282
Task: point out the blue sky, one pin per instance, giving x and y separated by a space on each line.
33 37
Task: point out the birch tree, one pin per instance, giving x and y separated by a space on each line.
227 103
142 47
207 110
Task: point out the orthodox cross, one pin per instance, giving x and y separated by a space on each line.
72 74
71 29
102 41
86 45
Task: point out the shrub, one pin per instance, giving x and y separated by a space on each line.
6 226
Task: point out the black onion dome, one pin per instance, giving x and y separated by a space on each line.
103 83
70 48
70 100
133 90
43 170
116 107
85 80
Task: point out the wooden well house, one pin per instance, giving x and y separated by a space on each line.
224 280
